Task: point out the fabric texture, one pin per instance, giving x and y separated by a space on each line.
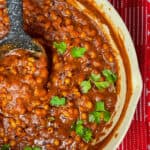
136 15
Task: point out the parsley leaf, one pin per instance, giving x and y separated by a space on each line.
56 101
95 77
100 113
85 86
27 148
87 135
94 117
100 106
51 118
36 148
79 122
78 52
109 75
5 147
102 85
83 132
61 47
107 116
30 148
80 129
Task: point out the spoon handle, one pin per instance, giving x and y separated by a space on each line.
15 12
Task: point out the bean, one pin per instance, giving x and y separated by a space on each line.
67 12
64 93
36 103
96 64
39 80
50 130
58 66
73 133
89 105
68 21
46 107
69 74
13 123
77 138
84 116
1 69
40 18
105 46
92 33
92 54
53 15
5 139
2 134
56 142
40 112
87 45
83 35
43 73
13 143
67 81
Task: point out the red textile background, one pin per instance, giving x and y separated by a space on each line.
136 15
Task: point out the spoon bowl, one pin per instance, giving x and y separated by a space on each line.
17 38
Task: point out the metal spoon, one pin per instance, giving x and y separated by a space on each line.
17 38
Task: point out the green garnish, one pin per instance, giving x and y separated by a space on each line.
79 122
110 78
5 147
87 135
85 86
99 113
36 148
61 47
84 132
102 85
100 106
27 148
56 101
78 52
51 118
109 75
95 77
79 128
94 117
30 148
107 116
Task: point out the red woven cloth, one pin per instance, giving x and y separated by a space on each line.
136 15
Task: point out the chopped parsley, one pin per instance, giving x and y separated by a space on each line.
5 147
100 113
61 47
109 75
85 86
102 84
95 77
56 101
106 116
78 52
50 119
30 148
84 132
79 128
87 135
94 117
100 106
36 148
110 78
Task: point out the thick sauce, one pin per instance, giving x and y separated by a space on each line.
64 101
